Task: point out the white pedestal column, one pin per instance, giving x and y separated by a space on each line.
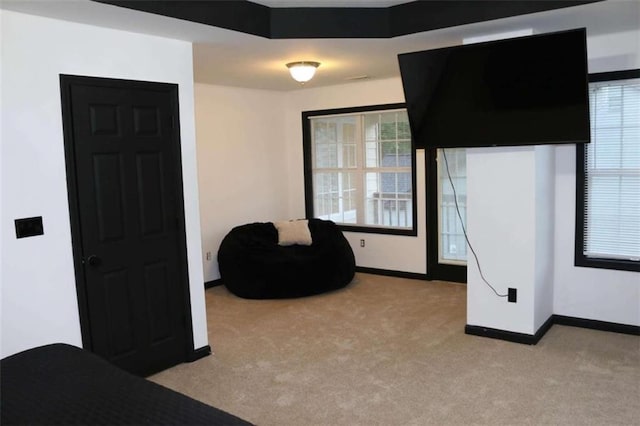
510 202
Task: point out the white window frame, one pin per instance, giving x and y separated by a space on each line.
454 228
359 173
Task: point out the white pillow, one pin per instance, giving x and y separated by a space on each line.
293 232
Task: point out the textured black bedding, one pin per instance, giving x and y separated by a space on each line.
62 385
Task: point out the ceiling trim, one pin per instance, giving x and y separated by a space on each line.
341 22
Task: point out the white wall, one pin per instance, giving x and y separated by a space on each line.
592 293
242 162
391 252
613 52
575 291
501 225
510 207
39 304
545 234
251 169
560 287
395 252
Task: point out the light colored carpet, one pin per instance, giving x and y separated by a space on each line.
392 351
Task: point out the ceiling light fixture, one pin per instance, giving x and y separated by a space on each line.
303 71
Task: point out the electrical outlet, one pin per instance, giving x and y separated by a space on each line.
361 243
512 295
29 227
208 255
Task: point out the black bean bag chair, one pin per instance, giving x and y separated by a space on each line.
253 265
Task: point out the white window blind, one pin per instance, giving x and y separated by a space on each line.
612 172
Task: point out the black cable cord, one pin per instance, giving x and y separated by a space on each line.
464 229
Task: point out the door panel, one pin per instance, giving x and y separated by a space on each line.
116 291
109 195
146 120
158 302
104 120
127 192
149 175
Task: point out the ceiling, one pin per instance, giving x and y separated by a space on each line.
330 3
231 58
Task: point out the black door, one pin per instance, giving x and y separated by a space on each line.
127 217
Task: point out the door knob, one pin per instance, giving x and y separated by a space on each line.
94 260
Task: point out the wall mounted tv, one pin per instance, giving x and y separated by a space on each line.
522 91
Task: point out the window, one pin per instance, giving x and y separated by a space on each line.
446 248
360 168
608 175
452 247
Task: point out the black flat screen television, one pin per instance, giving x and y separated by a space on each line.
523 91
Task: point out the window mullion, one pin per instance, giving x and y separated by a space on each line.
359 171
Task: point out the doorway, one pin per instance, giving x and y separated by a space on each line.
124 177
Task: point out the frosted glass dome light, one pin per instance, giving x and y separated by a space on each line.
303 71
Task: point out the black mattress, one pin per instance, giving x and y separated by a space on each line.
63 385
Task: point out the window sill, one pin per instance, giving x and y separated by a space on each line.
375 230
620 265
